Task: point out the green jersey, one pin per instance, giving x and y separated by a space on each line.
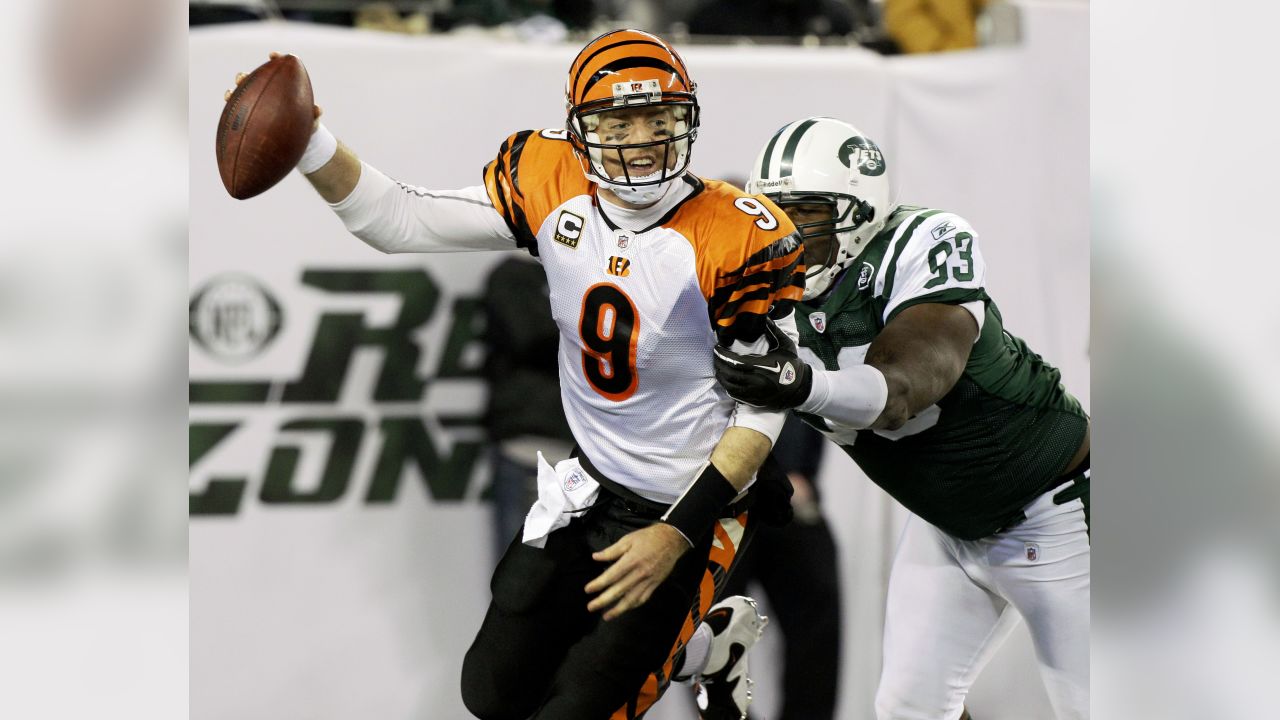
999 437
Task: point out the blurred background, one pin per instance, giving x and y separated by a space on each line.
326 581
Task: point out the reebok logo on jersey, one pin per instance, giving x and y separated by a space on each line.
788 374
819 321
619 266
569 229
942 229
780 248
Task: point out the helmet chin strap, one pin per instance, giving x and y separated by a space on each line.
637 194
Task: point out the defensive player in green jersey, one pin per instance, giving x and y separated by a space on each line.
904 362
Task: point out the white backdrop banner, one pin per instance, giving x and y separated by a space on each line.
340 547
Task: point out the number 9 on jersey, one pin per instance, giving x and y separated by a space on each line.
609 327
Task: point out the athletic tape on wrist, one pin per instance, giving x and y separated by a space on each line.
320 150
694 512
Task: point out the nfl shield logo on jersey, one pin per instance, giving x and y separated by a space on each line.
819 321
573 480
1033 552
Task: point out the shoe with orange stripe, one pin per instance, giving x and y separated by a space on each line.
723 687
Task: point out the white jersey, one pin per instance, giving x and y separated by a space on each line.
640 297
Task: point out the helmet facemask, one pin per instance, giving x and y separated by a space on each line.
832 242
668 151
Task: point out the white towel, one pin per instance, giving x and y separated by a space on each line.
562 493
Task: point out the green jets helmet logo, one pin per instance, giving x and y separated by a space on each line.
859 152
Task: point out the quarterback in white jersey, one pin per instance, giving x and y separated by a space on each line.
649 268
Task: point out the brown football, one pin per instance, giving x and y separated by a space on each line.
265 127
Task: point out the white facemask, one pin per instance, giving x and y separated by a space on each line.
637 195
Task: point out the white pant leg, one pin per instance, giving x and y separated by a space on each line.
1042 567
941 628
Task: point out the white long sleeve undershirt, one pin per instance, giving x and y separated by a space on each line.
763 421
396 218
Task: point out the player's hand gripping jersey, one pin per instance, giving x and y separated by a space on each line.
639 310
969 463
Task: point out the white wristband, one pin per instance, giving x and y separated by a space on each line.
320 150
851 396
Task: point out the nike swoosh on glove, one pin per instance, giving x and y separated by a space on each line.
777 380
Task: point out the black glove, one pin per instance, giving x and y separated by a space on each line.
778 380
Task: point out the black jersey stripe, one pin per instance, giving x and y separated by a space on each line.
512 214
497 168
789 152
781 247
626 64
517 147
577 77
730 310
774 280
745 326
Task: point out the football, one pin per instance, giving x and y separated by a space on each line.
265 127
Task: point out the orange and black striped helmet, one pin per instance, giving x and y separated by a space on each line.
627 69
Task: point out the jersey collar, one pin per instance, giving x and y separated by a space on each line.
643 220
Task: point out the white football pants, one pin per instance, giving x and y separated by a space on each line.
952 603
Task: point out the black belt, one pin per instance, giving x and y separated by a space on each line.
1079 474
1081 477
640 504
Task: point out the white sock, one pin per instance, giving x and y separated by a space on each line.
696 652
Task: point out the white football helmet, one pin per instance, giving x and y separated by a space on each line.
827 162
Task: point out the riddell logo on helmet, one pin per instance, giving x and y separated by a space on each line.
786 183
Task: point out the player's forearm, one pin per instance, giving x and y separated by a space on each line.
733 463
337 178
739 454
921 354
396 218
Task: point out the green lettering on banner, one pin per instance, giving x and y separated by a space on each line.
406 438
221 496
339 334
446 467
278 484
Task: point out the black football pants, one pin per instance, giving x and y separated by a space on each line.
540 653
